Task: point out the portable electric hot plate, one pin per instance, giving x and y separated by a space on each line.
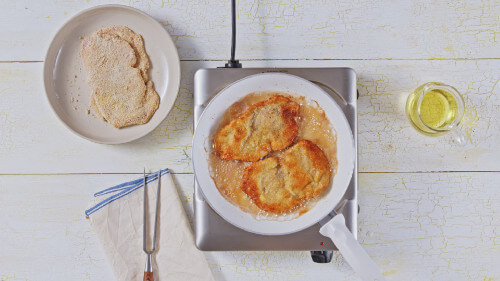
213 233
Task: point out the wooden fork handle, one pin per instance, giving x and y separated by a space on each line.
148 276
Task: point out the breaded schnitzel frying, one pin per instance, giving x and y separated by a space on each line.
265 126
279 184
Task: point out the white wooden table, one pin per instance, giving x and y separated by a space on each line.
429 209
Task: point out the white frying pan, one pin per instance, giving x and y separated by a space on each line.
297 86
292 85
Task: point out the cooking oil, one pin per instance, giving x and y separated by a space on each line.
431 109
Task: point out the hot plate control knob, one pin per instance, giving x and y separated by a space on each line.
322 256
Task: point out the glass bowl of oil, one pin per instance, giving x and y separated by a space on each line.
435 109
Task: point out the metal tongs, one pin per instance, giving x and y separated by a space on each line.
148 270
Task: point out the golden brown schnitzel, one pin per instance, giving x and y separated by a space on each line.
265 126
279 184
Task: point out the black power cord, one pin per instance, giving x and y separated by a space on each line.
232 63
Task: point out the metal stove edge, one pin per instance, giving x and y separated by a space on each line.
212 233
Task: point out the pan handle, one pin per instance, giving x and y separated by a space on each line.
353 253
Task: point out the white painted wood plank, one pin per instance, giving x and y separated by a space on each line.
416 226
33 140
32 137
43 229
387 141
440 226
283 29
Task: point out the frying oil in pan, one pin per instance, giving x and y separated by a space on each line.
227 174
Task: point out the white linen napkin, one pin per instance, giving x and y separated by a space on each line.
118 223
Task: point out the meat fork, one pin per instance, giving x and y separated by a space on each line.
148 270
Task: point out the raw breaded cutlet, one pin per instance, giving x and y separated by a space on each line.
120 94
265 126
279 184
142 60
136 42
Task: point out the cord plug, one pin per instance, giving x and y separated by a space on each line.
233 64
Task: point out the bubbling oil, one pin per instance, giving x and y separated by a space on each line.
227 174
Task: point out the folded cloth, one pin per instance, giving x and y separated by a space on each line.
118 223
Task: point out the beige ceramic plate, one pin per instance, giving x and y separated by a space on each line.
65 79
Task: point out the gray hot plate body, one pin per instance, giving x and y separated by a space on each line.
213 233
